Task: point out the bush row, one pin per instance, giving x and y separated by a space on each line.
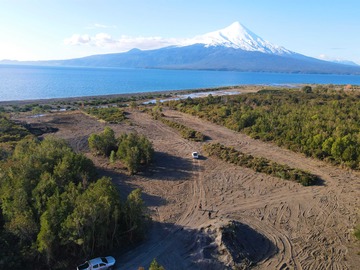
262 165
186 132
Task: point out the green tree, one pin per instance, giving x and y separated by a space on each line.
132 159
91 224
112 156
155 265
134 150
46 238
96 144
134 215
103 143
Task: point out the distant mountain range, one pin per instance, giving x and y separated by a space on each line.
232 48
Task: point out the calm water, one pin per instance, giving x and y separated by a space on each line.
33 82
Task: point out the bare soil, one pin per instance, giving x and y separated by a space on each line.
255 221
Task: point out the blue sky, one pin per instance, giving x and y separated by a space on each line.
61 29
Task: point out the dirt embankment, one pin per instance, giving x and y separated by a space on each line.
255 220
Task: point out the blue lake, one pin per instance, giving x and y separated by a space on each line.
38 82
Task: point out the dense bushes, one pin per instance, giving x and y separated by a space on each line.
111 115
132 149
262 165
54 212
321 123
11 132
103 143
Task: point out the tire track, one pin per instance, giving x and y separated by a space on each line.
316 230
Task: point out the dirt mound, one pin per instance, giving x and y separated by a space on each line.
205 250
245 246
230 244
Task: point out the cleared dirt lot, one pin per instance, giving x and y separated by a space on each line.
280 224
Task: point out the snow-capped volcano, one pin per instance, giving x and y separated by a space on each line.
232 48
237 36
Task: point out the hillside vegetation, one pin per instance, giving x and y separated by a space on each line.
321 122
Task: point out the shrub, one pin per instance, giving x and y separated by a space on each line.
103 143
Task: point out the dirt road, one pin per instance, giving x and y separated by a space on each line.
281 224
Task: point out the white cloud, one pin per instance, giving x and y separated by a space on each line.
336 59
329 58
77 40
103 40
124 43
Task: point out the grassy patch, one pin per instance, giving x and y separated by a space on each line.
357 232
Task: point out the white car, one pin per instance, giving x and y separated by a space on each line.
98 263
195 155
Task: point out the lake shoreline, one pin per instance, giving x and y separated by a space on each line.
174 93
43 85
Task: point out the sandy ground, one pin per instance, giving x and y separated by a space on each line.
277 224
